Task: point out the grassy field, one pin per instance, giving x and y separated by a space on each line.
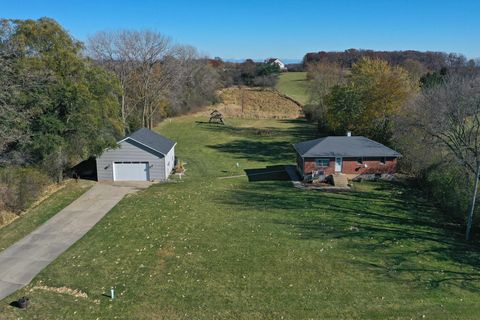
294 85
214 246
40 213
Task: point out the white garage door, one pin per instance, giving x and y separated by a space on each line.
130 171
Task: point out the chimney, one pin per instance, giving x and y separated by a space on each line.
349 133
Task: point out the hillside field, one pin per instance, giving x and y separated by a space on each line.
216 246
256 103
294 85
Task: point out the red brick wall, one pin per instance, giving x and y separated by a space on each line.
351 166
373 165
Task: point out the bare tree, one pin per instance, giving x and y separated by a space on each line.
157 77
137 59
193 80
450 114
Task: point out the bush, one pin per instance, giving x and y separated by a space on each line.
267 81
20 187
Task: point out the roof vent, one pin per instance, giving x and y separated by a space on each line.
349 133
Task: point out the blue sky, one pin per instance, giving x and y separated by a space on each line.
286 29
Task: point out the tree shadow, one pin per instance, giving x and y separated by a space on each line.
267 143
261 151
298 130
246 132
394 232
301 130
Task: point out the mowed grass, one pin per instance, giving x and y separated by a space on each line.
294 85
211 248
41 212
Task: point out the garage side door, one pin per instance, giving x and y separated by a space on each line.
131 171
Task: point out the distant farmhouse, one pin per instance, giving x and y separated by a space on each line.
278 62
142 156
349 155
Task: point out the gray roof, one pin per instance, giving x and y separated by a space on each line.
344 146
152 140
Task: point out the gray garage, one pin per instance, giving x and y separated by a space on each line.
142 156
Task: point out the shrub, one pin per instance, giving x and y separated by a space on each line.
20 187
179 167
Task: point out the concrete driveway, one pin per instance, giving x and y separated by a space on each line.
22 261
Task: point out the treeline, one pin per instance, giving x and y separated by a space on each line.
63 101
432 118
431 60
248 73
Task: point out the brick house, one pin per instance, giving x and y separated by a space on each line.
350 155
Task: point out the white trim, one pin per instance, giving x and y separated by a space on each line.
167 160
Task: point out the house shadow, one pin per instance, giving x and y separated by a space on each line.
269 173
86 169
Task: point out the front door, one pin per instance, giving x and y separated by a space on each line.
338 164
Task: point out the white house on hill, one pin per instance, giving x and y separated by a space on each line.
278 62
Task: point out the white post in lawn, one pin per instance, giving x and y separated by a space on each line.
472 205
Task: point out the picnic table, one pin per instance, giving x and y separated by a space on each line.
216 117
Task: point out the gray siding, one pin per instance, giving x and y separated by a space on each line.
129 150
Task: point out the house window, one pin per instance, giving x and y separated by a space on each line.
382 160
359 161
322 162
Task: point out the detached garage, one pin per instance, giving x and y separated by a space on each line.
142 156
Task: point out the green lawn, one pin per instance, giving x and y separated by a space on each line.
37 215
210 248
294 85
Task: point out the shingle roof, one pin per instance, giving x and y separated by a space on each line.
152 140
344 146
